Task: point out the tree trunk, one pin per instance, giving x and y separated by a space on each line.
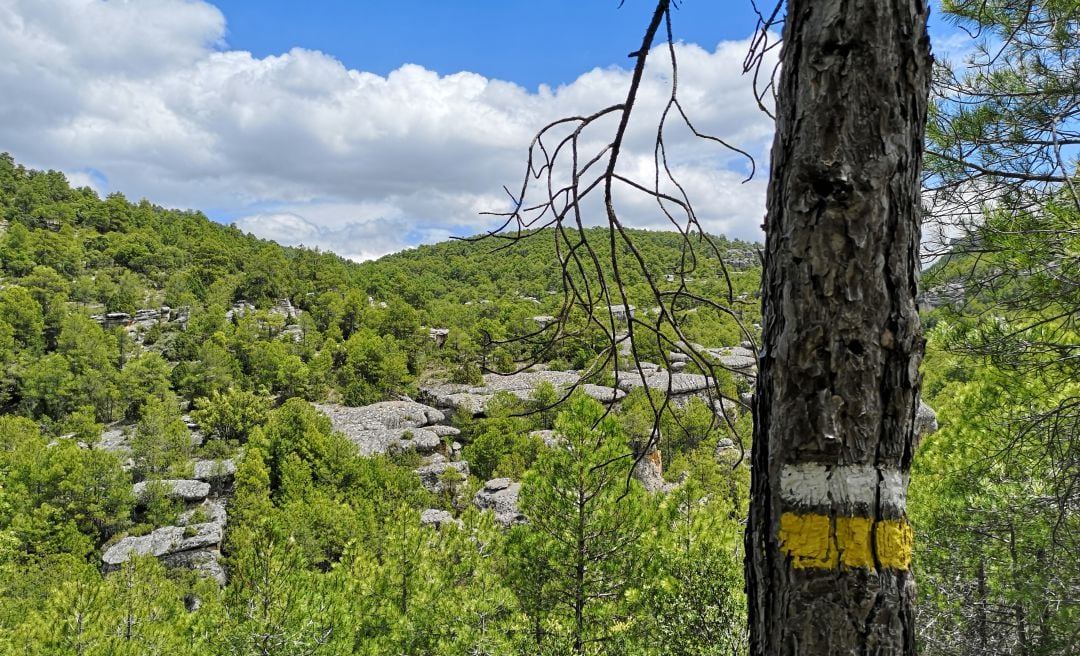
828 546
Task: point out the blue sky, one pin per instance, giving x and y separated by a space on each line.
528 42
366 127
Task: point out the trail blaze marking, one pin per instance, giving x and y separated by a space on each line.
811 484
895 540
853 541
806 538
816 541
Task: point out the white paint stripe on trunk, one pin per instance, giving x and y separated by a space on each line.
842 486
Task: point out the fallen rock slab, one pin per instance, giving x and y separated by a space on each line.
164 541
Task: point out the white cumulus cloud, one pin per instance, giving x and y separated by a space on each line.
300 149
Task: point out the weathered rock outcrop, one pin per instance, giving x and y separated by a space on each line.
659 379
194 546
500 495
432 476
193 543
113 439
736 359
218 473
551 438
390 426
649 469
165 540
436 518
925 422
205 562
474 398
211 510
139 324
185 490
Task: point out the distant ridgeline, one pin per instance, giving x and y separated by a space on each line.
113 311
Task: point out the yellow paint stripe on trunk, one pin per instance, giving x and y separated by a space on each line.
808 540
853 541
816 541
895 541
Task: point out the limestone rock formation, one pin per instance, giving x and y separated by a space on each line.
474 398
925 422
432 475
211 510
660 379
218 473
500 495
437 518
648 470
195 544
184 490
390 426
551 438
204 562
737 359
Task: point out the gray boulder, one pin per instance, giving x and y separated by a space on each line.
421 440
390 426
925 422
388 414
212 509
649 470
204 562
738 363
164 541
550 438
726 451
218 473
601 393
444 431
431 476
662 380
500 495
445 397
725 408
436 518
207 470
114 438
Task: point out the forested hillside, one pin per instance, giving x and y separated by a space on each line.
157 374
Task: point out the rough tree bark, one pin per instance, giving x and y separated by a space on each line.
828 545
